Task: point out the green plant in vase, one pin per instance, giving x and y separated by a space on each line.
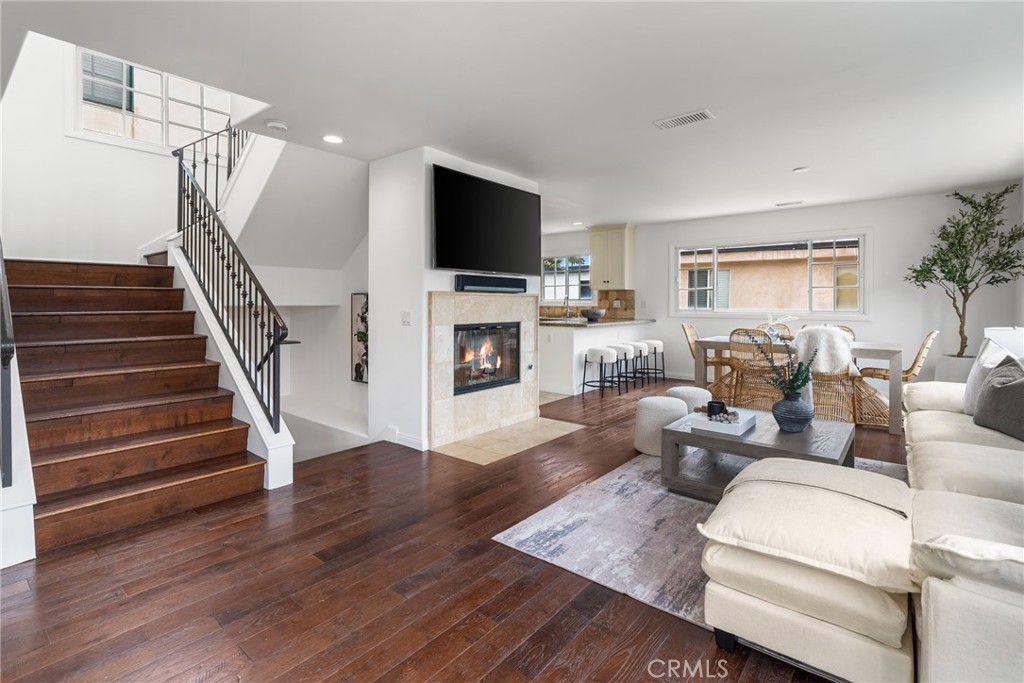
792 413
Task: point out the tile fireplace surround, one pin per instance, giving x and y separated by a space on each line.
453 418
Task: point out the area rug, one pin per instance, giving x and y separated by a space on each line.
626 532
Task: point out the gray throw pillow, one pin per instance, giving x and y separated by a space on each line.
1001 401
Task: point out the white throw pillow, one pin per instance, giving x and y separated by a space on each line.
992 563
989 355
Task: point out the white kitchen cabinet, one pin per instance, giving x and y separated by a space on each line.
612 256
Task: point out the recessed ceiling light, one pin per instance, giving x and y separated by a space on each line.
577 222
801 169
333 139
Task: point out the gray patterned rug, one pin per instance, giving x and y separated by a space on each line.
625 531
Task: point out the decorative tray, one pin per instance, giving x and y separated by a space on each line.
699 422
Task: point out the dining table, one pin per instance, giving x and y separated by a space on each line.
859 349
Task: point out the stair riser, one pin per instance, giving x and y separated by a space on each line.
87 428
66 327
81 274
62 393
39 360
80 523
62 299
64 476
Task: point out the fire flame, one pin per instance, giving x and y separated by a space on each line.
484 358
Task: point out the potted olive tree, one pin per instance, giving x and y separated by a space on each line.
972 250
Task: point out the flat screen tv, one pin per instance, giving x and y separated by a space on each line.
483 226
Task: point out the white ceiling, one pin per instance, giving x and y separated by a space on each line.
878 99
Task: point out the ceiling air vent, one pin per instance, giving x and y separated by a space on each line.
793 203
684 119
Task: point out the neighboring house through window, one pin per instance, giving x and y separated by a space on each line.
566 276
796 276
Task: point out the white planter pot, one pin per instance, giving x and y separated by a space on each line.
953 368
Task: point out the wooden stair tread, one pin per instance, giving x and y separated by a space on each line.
112 492
47 314
113 288
102 264
145 402
67 452
111 371
109 340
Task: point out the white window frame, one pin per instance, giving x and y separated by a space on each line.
73 119
561 302
865 277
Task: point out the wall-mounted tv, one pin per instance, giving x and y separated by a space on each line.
483 226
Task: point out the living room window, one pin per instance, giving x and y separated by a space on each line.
566 276
144 107
809 276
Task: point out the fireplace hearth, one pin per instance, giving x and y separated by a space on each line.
486 356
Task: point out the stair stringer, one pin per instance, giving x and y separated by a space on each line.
277 448
17 502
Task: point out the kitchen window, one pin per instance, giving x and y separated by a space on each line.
566 276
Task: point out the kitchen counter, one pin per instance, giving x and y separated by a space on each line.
564 342
583 322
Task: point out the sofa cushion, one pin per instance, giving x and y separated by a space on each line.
1001 402
840 520
985 471
995 564
968 634
947 396
939 425
836 599
990 355
951 533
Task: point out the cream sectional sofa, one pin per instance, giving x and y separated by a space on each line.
829 567
970 497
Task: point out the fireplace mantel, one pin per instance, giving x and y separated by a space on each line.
453 418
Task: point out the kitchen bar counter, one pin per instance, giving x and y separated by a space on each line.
582 322
564 342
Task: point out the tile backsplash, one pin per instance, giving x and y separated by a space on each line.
605 299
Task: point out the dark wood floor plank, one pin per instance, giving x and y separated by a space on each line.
490 650
376 564
580 656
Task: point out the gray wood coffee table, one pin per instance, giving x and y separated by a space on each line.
700 464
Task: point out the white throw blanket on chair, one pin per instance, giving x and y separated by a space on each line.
833 346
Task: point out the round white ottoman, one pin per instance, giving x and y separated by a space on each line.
693 396
653 414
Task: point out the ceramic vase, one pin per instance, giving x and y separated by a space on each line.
793 413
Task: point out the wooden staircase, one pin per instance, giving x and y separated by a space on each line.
126 422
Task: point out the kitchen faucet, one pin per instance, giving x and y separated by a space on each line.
568 311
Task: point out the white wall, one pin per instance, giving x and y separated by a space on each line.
68 198
565 243
400 275
17 502
899 233
331 407
311 212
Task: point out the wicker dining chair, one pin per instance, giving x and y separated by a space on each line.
870 407
752 388
834 396
782 328
721 389
915 367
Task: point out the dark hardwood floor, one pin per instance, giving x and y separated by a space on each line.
376 564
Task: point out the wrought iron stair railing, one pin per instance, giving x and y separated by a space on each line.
7 348
253 326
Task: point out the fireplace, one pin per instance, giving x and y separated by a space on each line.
486 356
